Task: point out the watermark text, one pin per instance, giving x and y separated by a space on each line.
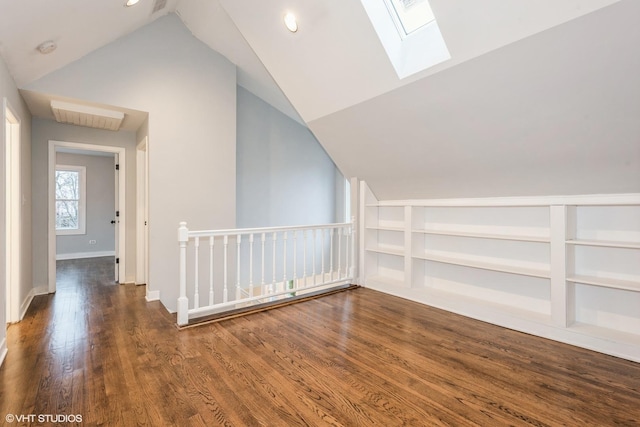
43 418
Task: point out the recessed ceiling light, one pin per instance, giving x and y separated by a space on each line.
290 22
130 3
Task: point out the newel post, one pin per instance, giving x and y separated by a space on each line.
183 301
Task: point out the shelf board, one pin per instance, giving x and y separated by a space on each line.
384 228
387 251
606 282
545 274
539 239
605 244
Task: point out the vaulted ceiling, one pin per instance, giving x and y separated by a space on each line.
539 97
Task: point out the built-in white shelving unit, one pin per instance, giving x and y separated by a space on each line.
566 268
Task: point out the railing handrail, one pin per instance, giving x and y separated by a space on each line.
243 231
266 289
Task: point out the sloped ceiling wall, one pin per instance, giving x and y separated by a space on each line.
556 113
552 109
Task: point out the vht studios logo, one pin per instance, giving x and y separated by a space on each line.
43 418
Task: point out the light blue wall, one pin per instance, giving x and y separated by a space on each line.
189 92
283 175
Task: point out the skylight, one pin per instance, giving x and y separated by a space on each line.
409 34
409 15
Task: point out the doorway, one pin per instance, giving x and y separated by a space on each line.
12 215
119 218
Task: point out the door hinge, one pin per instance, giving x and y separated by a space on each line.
117 260
118 213
117 167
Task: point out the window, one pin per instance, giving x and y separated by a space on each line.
70 199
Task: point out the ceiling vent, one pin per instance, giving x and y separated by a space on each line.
82 115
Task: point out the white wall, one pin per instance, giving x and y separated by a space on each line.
100 207
189 92
42 132
284 176
9 90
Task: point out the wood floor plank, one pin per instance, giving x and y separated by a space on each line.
356 358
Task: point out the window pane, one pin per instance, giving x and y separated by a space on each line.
67 185
67 214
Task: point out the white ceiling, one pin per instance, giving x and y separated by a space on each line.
79 28
499 110
336 60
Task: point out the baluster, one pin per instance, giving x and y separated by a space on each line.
262 283
284 262
313 256
273 283
238 292
196 280
331 255
225 292
304 257
322 233
339 231
211 244
251 264
295 258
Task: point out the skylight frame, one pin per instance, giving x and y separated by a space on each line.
417 52
405 28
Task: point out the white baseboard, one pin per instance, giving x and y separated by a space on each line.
26 303
152 296
81 255
3 350
40 290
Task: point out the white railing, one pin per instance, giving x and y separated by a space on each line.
225 270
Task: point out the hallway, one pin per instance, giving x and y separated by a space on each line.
98 350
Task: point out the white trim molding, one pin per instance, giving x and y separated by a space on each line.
3 350
121 153
153 295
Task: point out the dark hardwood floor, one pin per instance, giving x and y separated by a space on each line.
358 357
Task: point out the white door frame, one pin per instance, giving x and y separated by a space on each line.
142 218
120 250
13 210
